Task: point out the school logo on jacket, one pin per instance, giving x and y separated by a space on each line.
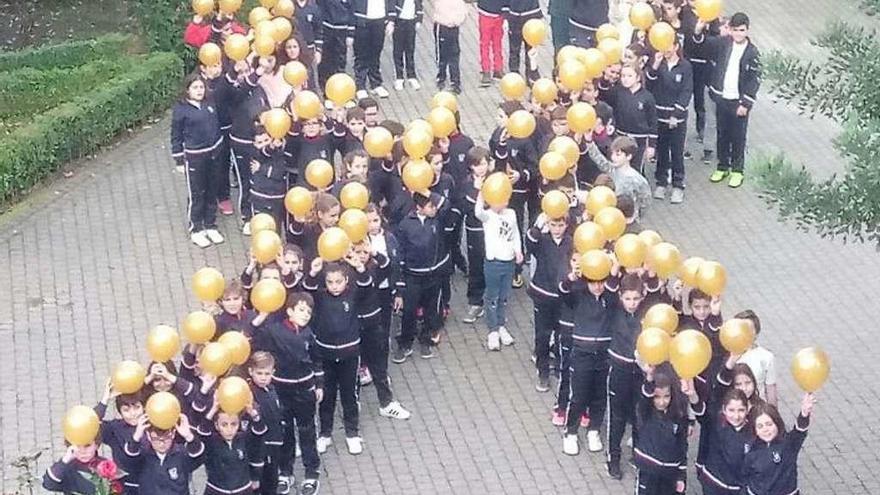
746 448
173 474
240 454
210 109
777 458
515 151
641 106
678 78
345 306
461 157
675 428
323 154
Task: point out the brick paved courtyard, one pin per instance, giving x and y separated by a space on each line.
89 263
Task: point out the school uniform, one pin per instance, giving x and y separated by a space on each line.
242 322
253 102
724 449
635 115
491 26
518 12
455 164
407 15
584 19
300 150
114 433
701 63
448 16
269 443
672 87
476 246
386 244
771 468
445 186
310 24
72 477
564 344
231 465
625 377
337 24
164 474
711 328
375 335
660 450
370 17
221 91
269 183
560 11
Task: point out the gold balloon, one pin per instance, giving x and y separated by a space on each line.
261 222
555 204
307 105
600 197
319 173
665 259
573 74
282 29
688 270
553 165
422 125
284 8
653 346
534 32
208 284
128 377
203 7
236 47
737 335
566 53
277 122
258 15
595 265
264 45
521 124
707 10
354 195
612 222
268 4
378 142
544 91
355 224
230 6
340 89
594 62
566 147
210 54
268 296
266 246
497 189
417 175
513 86
238 346
163 410
662 36
81 425
298 201
612 48
234 395
650 237
163 342
810 368
417 143
589 236
662 316
295 73
607 31
445 99
442 122
215 358
711 278
265 29
198 327
641 15
690 352
630 251
581 117
333 244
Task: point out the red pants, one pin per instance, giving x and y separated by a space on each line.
491 32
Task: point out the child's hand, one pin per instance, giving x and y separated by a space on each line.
319 395
69 454
184 429
255 166
679 486
687 386
108 392
398 303
588 137
208 381
699 26
807 404
649 152
715 305
519 258
142 425
443 144
732 359
255 486
316 267
252 411
676 289
197 19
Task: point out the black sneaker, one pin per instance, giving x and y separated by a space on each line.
310 487
441 84
486 80
614 469
543 384
688 155
700 137
707 157
455 89
401 354
284 484
426 351
518 281
497 75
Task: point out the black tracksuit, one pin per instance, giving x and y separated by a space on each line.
564 344
455 164
404 39
231 465
375 334
227 322
223 92
195 143
72 477
270 442
310 24
114 433
585 18
711 328
660 450
305 235
624 378
635 115
724 449
672 88
771 468
517 13
476 245
269 182
369 38
700 61
245 115
300 150
336 25
168 476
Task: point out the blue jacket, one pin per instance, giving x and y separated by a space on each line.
337 326
422 248
295 351
164 477
589 313
551 263
771 468
195 130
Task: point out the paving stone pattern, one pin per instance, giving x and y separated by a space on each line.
90 263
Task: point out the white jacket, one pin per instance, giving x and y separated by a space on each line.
450 13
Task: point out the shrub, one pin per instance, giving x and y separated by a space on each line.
70 54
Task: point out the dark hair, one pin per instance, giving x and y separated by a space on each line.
604 112
233 288
769 410
295 298
434 151
365 103
625 144
739 19
305 53
750 315
697 294
475 155
559 113
567 181
355 113
394 127
335 267
421 200
665 377
260 360
188 81
295 249
734 394
270 266
130 399
508 107
743 369
603 179
627 205
349 157
631 282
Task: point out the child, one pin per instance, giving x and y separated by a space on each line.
408 18
371 111
760 360
517 13
268 178
158 464
564 344
73 473
337 335
309 140
635 114
234 315
357 164
503 251
350 138
491 24
306 233
373 20
336 33
627 180
298 381
770 465
705 316
478 162
448 16
261 367
115 432
455 151
726 442
233 458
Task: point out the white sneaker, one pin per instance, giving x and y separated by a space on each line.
570 445
493 341
677 196
361 94
214 236
414 83
355 445
284 484
324 443
659 192
200 239
381 92
506 338
246 229
398 85
629 442
594 442
394 410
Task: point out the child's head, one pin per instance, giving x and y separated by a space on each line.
672 9
611 74
160 383
261 367
734 407
233 298
478 161
227 425
752 318
635 56
335 278
374 219
701 304
604 118
766 421
371 111
160 440
85 454
357 164
574 259
739 27
632 292
630 76
435 159
355 119
627 206
424 205
604 180
363 250
558 226
394 127
623 149
506 109
311 127
559 121
193 88
590 93
130 407
270 271
293 256
744 380
596 287
326 210
299 308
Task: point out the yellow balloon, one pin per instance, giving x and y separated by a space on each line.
230 6
298 201
238 346
266 29
534 32
128 377
445 99
662 36
198 327
607 31
277 122
653 346
264 45
378 142
340 88
589 236
572 74
258 15
295 73
203 7
553 165
641 15
81 425
236 47
497 189
422 125
355 224
566 53
544 91
284 8
307 105
417 175
555 204
711 278
595 265
600 197
163 410
566 147
268 4
521 124
594 62
234 395
210 54
612 48
261 222
707 10
690 352
333 244
662 316
665 259
442 122
282 29
737 335
268 296
215 358
513 86
208 284
612 222
163 342
650 237
266 246
630 251
354 195
581 117
319 173
688 270
417 143
810 368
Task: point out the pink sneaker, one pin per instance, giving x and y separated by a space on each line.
225 207
558 418
585 420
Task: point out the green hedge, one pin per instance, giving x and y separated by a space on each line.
79 127
162 23
70 54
